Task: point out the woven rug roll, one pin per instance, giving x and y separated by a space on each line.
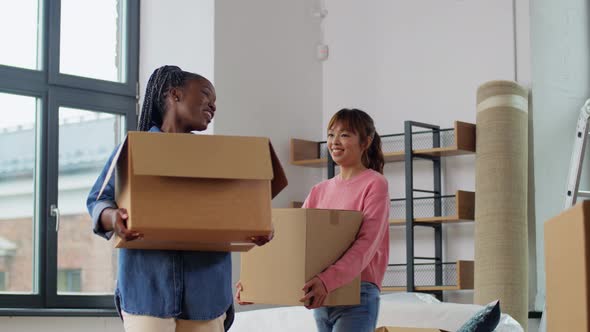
501 242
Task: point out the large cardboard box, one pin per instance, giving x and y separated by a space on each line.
405 329
567 266
305 243
196 192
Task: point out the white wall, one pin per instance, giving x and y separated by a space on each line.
422 61
268 81
561 83
176 32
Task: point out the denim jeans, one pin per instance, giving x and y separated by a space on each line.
351 318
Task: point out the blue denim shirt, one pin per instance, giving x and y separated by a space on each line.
163 283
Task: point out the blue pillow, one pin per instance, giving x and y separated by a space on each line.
484 320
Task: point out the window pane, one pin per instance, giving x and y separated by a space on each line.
69 281
92 43
86 262
19 23
17 192
3 281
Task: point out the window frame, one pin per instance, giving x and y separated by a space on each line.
91 101
128 88
54 90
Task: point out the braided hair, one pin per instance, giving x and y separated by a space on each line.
154 104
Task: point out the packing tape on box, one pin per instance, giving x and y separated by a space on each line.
334 218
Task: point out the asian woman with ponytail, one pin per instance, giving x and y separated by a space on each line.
355 146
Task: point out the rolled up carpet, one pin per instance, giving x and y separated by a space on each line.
501 239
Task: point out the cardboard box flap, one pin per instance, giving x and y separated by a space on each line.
110 173
200 156
279 181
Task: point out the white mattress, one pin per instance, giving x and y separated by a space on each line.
397 309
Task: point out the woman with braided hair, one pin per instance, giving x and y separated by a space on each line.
164 290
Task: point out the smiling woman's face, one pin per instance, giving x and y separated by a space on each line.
196 104
344 145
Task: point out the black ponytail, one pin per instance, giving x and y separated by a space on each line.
373 156
161 81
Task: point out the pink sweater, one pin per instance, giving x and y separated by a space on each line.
369 254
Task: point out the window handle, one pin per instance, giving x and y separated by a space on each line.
54 212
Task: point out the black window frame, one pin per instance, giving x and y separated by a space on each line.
55 90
